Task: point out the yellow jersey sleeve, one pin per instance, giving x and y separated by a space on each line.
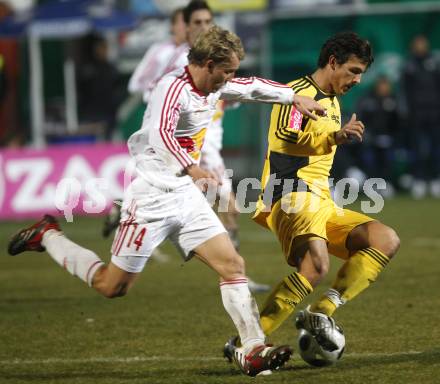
294 134
315 141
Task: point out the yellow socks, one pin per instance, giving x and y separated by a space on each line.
355 275
283 300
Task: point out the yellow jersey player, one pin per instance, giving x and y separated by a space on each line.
296 205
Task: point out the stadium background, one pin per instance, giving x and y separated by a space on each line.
263 27
54 330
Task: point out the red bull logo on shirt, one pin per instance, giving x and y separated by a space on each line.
193 144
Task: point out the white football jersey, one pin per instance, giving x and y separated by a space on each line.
214 135
159 59
176 120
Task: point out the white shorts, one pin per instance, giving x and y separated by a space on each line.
186 219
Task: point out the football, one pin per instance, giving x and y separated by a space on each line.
321 352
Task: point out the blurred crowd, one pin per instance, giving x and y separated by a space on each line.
402 118
402 127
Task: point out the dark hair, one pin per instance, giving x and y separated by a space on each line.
175 14
342 46
193 6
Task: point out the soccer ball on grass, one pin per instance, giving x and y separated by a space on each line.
319 351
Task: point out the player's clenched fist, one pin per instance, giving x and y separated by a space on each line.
352 131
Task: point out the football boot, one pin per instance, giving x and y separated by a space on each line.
29 239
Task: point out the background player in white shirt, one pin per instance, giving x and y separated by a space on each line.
197 17
158 57
164 57
163 201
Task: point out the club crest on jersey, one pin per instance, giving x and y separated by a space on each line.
193 144
295 119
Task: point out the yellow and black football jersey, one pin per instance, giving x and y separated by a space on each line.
300 150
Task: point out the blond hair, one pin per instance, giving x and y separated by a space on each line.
216 44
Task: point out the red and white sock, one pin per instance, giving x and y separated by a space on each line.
242 308
78 261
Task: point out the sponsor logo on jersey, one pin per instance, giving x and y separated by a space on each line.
295 119
336 119
193 144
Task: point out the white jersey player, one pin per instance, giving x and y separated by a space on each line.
160 58
163 58
163 202
155 63
198 18
212 160
177 118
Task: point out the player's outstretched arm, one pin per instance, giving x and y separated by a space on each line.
255 89
306 105
268 91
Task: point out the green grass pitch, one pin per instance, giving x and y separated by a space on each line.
171 326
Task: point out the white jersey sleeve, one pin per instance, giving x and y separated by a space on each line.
166 103
255 89
151 68
178 60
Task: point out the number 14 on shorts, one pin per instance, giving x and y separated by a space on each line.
128 236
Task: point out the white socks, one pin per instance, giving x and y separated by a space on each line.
243 310
75 259
335 297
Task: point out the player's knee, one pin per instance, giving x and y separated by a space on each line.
381 237
384 239
391 242
112 292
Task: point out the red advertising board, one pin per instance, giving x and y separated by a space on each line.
82 179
